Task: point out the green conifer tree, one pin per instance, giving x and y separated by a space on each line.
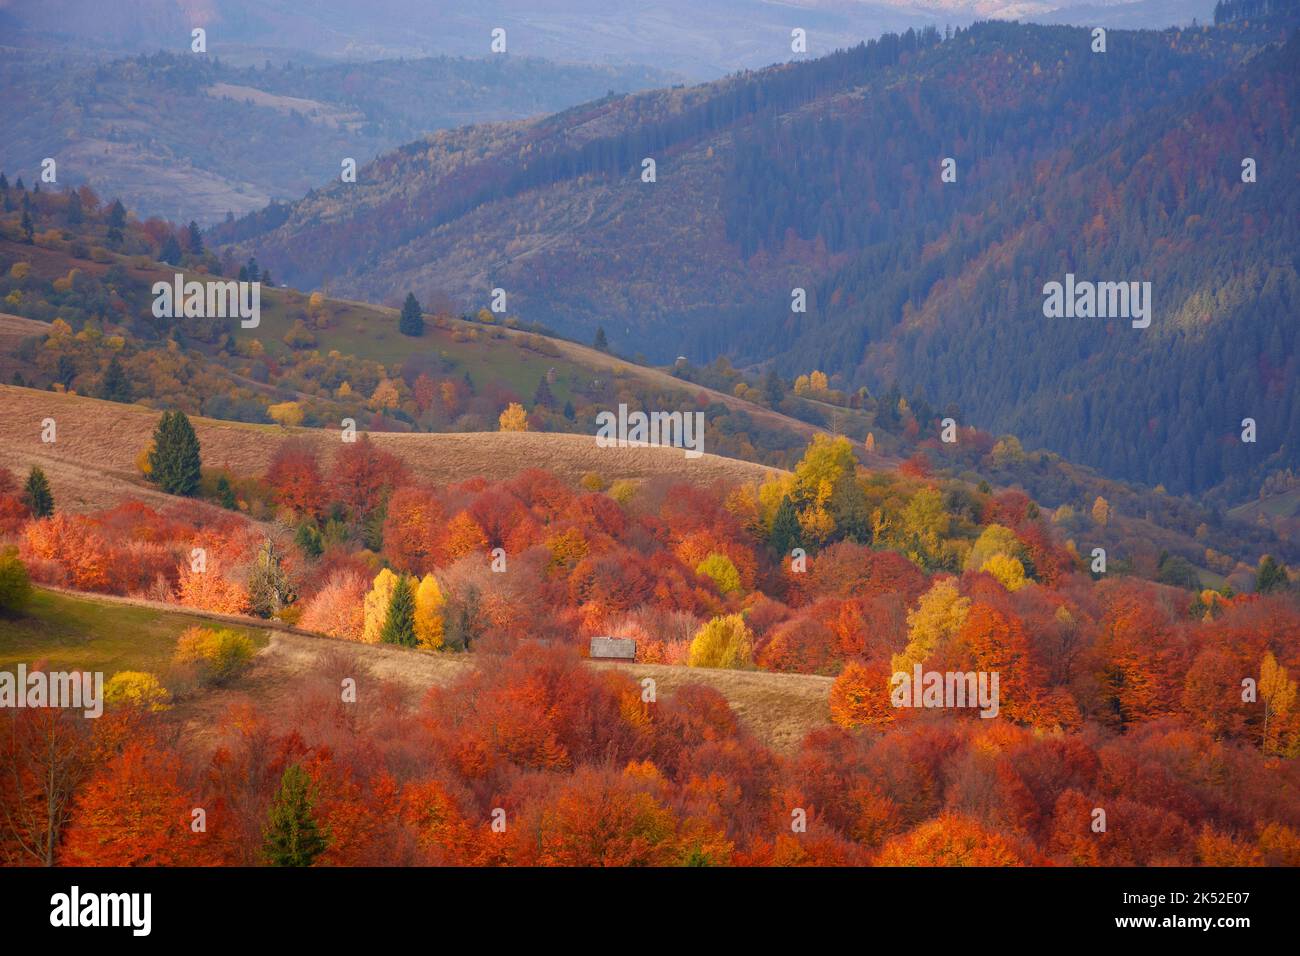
399 625
175 463
412 321
292 837
37 495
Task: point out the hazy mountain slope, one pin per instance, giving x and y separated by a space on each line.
190 137
699 40
825 176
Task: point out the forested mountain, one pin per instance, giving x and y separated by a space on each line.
826 175
190 136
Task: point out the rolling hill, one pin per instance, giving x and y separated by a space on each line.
100 632
1068 161
92 463
86 309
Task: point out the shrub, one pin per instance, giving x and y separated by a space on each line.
15 587
721 571
136 689
219 655
723 642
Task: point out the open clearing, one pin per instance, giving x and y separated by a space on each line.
76 632
91 465
84 631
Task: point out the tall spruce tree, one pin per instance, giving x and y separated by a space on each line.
292 837
115 387
773 390
412 321
75 214
399 625
37 495
174 462
785 528
170 252
1269 575
543 396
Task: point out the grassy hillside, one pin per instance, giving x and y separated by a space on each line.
92 464
73 632
110 635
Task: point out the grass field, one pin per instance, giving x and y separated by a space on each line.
489 354
92 463
91 632
81 633
370 332
1285 505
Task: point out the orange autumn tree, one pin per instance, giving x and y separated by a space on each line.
45 753
462 536
295 476
412 527
134 812
362 475
951 839
71 543
599 818
860 696
338 608
441 830
994 642
211 586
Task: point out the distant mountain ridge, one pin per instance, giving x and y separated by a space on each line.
186 136
698 40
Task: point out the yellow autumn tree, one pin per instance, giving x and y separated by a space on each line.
826 460
136 689
939 614
995 539
818 381
723 642
1278 692
802 385
144 460
815 521
316 310
925 520
385 396
513 419
1101 511
376 605
721 571
1008 570
288 414
429 603
770 494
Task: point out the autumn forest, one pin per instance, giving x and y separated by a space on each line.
328 538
